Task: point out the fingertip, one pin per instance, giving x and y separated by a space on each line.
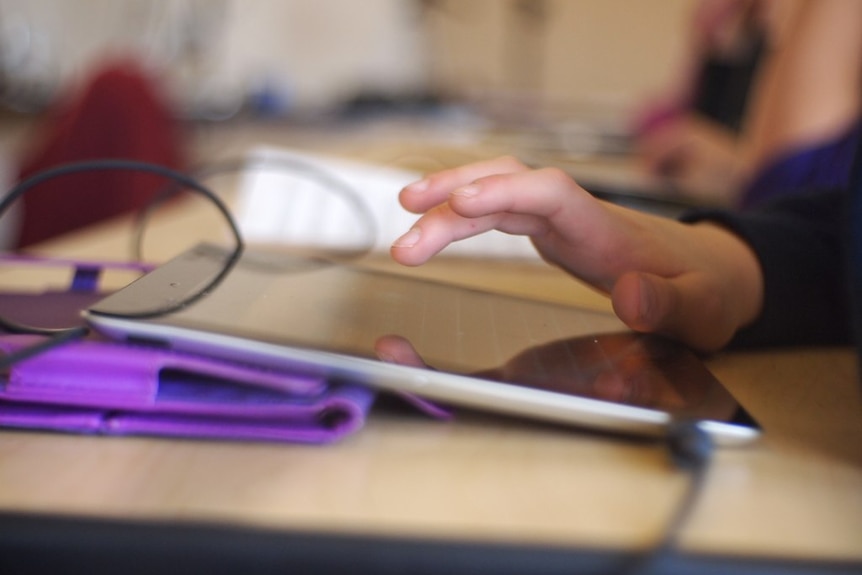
404 256
409 239
650 309
638 302
416 187
410 196
402 250
465 192
462 201
624 299
682 307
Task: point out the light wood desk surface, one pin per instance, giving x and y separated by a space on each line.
796 494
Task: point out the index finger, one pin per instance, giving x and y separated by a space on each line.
434 189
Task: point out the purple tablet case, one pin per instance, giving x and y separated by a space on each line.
104 387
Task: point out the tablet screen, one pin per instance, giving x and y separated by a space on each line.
311 304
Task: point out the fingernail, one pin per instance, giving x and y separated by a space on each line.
648 303
466 191
409 239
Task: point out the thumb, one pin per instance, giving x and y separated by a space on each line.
688 308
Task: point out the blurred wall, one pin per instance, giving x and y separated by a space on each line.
312 53
563 52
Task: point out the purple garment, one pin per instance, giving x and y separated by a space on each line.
823 166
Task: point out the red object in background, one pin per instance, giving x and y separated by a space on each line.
118 113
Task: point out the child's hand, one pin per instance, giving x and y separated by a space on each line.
698 283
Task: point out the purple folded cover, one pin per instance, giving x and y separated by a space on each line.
119 389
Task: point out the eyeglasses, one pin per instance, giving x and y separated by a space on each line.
55 313
51 314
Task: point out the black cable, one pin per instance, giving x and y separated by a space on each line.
57 339
690 449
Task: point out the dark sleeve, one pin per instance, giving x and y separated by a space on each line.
800 242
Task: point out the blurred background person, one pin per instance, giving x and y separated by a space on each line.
788 122
692 133
804 121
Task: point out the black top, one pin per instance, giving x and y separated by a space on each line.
801 244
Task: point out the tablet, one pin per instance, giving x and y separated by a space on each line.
445 343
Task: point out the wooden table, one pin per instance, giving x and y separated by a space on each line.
508 496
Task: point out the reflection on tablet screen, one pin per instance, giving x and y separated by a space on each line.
622 367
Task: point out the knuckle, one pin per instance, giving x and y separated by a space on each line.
556 177
437 179
511 162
